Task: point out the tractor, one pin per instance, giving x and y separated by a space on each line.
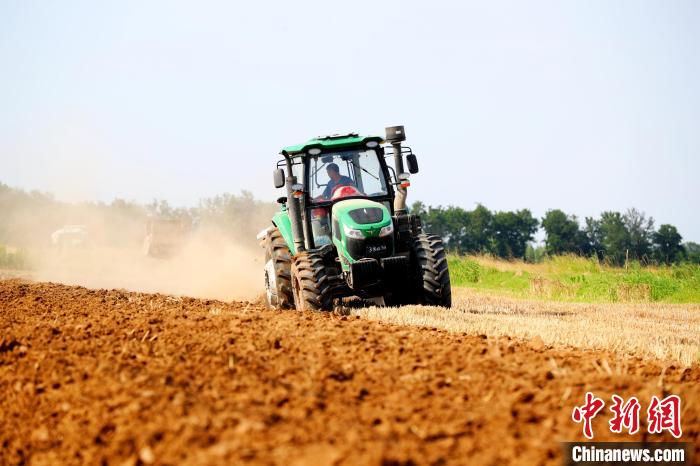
343 230
164 237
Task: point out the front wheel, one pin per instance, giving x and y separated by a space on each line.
278 287
310 285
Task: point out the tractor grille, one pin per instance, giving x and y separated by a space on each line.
371 247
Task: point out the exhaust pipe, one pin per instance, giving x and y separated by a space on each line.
395 135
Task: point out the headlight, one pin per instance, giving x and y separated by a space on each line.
314 151
352 233
371 144
387 230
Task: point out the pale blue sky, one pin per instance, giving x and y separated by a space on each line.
584 106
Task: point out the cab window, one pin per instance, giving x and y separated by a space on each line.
359 169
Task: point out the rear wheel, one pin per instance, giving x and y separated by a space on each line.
310 283
432 261
432 278
278 274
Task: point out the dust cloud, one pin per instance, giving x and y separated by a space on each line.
209 265
99 245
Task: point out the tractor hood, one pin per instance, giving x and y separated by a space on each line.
362 214
362 229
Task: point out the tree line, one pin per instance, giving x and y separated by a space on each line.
614 237
28 218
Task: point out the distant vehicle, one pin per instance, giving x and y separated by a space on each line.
164 237
70 237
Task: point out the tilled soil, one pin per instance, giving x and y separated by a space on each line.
112 377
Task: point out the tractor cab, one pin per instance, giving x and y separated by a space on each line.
329 169
342 175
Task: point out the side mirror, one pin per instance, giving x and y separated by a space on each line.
412 163
278 176
282 200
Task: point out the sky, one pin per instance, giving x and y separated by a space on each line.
585 106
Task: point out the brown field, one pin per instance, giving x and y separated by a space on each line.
113 377
668 332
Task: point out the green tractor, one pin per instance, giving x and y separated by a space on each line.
343 229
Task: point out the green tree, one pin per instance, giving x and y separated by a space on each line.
456 220
480 229
615 238
641 233
667 244
563 234
594 237
417 208
434 221
511 233
461 230
534 254
692 252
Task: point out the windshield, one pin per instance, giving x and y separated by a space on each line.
359 169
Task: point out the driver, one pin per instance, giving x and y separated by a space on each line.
336 179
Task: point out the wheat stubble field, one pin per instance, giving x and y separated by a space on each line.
98 376
669 332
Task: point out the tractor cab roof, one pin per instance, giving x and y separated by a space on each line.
333 142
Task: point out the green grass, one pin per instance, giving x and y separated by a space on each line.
13 258
571 278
